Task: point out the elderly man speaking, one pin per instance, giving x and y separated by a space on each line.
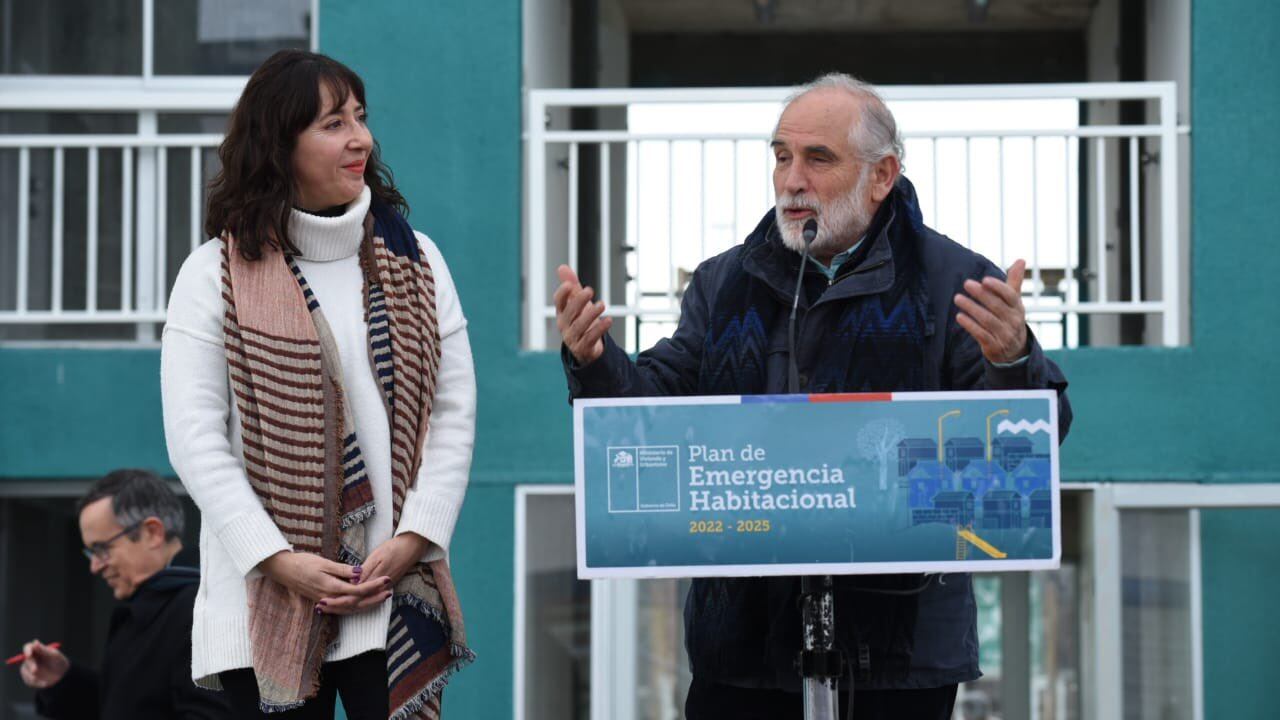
131 524
886 304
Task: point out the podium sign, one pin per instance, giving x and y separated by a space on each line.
817 484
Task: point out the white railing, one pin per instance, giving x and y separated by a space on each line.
145 243
1003 169
143 275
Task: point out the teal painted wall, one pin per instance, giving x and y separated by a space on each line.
444 81
1235 100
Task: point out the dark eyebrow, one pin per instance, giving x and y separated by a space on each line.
338 111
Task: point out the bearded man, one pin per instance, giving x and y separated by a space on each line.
885 304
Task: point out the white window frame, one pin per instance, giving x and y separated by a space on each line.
1109 500
146 96
613 603
148 76
613 626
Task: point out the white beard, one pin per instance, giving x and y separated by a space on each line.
840 224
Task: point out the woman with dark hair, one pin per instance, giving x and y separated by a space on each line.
319 405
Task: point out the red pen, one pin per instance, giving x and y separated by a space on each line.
23 656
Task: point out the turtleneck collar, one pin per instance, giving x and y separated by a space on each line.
324 239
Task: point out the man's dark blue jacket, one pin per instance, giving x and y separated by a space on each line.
885 323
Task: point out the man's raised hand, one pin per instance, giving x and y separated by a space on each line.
580 319
992 312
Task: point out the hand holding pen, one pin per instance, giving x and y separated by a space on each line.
42 665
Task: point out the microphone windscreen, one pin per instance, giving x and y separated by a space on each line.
810 231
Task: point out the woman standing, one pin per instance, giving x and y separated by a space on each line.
319 405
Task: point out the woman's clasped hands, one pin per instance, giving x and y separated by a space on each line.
341 589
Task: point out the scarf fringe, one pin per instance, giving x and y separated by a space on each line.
414 704
267 707
417 603
359 515
349 556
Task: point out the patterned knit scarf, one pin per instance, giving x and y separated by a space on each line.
303 459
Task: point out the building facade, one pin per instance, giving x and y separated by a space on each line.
1163 459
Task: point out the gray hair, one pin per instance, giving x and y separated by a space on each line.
874 135
135 496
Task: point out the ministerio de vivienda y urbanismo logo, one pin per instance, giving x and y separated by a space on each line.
644 479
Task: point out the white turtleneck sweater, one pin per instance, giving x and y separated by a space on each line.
202 429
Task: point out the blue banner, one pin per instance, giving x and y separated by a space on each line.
817 484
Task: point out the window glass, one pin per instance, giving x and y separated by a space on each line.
226 37
1156 587
1055 643
662 666
981 698
71 37
557 651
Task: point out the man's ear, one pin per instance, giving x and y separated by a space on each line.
152 532
883 175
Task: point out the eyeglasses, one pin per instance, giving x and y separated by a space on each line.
102 550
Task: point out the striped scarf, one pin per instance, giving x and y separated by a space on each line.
303 459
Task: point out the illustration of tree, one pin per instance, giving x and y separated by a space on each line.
878 441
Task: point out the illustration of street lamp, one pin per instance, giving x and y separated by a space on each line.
998 412
942 417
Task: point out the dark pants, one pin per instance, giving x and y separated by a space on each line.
361 681
708 700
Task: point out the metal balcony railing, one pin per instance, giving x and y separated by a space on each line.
1046 192
92 271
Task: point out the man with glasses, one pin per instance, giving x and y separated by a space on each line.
131 524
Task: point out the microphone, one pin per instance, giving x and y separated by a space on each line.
793 371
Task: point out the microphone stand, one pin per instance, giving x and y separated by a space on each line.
820 665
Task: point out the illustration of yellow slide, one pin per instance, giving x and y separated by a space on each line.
981 544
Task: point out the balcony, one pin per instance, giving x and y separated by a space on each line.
663 179
99 206
94 225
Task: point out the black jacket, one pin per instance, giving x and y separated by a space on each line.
746 631
146 672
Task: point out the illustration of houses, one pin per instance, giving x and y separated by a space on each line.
950 507
1011 451
1041 509
979 477
1032 474
915 450
926 480
956 505
1002 509
960 451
